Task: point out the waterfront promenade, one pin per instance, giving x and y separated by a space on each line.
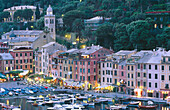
110 94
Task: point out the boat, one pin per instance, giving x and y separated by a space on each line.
49 102
31 98
148 106
10 93
35 104
118 106
168 100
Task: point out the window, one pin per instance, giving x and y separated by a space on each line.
70 68
80 78
138 83
149 66
46 21
169 68
162 77
115 73
65 75
122 67
110 65
11 62
111 72
88 63
94 62
103 72
83 63
6 62
31 67
162 68
20 61
156 67
149 75
128 83
103 64
107 79
16 67
103 79
30 54
60 74
89 78
144 74
138 66
144 66
128 75
149 84
169 59
132 68
25 66
81 70
144 84
110 80
132 83
115 81
107 65
155 85
156 76
88 70
76 76
30 60
94 77
25 54
128 67
16 54
20 54
132 75
169 77
122 73
138 74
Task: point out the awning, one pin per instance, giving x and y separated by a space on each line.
2 76
15 72
48 78
25 72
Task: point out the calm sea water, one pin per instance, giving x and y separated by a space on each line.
28 106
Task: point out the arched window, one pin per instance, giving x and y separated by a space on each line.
46 21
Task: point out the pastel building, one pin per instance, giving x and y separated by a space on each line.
81 64
154 73
112 69
4 46
6 62
165 75
43 57
23 57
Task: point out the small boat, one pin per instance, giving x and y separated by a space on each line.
31 98
10 93
148 106
91 104
35 104
30 101
49 102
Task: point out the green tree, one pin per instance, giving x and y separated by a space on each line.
164 38
27 14
37 12
18 14
105 35
40 23
70 16
139 33
3 15
121 37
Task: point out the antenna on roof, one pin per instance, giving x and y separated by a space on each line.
136 46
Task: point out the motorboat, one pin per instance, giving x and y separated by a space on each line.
31 98
148 106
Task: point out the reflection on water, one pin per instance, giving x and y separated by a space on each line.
27 106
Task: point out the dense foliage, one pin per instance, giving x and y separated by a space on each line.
128 28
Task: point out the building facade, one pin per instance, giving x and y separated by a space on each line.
23 58
6 62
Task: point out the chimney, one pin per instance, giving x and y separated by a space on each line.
92 44
27 29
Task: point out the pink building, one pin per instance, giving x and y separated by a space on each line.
23 56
